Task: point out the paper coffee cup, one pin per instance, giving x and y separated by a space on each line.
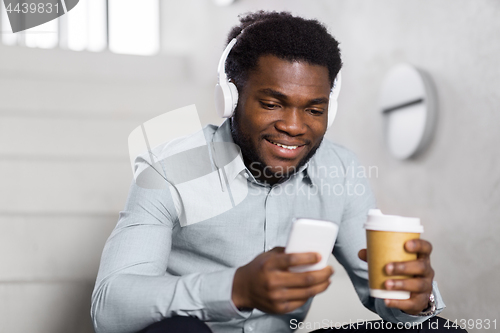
386 236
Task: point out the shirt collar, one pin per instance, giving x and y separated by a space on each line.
307 176
223 135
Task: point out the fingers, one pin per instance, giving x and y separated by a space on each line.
420 267
284 300
298 294
303 280
419 246
420 281
417 285
362 254
278 249
285 307
284 261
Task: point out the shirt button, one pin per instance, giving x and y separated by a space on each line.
250 328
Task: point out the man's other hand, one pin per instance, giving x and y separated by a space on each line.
420 283
266 284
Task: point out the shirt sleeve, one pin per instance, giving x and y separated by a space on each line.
352 238
133 289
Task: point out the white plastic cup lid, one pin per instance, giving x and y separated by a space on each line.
380 222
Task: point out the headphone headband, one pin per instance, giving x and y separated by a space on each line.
222 61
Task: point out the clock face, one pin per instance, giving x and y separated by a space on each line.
223 2
407 105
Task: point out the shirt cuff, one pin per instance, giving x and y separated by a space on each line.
396 316
216 295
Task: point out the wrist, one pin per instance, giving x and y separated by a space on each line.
238 295
431 307
428 310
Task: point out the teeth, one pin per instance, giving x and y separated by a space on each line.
287 147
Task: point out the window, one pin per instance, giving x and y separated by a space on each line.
85 26
134 26
123 26
8 37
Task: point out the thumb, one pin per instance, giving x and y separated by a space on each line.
278 249
362 254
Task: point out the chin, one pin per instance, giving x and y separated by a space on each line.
282 168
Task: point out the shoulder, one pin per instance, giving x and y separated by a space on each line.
152 163
185 143
333 154
180 144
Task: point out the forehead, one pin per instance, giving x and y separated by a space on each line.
289 76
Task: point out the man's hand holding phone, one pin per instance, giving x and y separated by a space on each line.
282 280
267 284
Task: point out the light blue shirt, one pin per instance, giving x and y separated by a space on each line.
176 247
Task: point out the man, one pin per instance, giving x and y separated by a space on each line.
166 269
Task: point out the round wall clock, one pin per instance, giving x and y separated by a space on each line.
223 2
408 107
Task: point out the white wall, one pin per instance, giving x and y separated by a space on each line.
65 118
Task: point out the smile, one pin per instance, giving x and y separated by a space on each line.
283 146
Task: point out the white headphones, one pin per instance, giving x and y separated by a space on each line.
226 93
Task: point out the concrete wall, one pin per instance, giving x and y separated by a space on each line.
65 118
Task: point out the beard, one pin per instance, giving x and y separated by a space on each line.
252 156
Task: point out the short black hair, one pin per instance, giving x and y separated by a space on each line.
283 35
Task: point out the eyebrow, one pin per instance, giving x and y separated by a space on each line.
320 100
273 93
279 95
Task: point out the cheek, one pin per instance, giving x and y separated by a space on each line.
318 132
321 131
254 120
319 126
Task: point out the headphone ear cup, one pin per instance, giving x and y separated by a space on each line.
333 104
332 109
219 100
234 97
224 99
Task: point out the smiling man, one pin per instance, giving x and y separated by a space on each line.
165 269
282 116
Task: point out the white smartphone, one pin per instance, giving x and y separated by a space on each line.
309 235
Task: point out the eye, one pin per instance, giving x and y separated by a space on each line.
316 112
269 106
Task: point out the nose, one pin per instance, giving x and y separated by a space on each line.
291 123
